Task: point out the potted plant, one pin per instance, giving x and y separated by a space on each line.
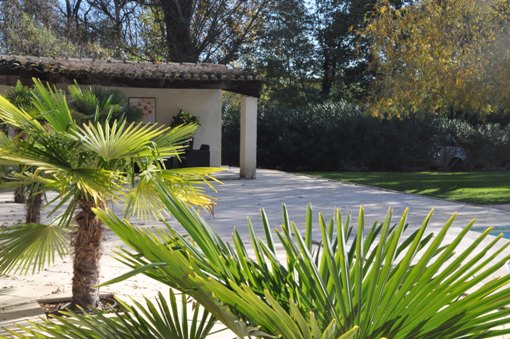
185 118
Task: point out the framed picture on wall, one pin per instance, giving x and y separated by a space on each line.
146 105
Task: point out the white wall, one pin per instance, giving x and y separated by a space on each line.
4 89
203 103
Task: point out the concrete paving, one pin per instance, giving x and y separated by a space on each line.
239 199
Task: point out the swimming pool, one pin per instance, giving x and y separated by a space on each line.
505 229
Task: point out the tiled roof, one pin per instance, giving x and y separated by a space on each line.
129 73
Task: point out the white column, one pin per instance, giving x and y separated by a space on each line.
248 154
11 131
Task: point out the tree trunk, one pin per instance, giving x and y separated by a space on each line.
87 252
178 14
33 206
329 72
19 195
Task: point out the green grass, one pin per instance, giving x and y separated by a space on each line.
481 188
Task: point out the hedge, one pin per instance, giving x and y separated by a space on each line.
340 136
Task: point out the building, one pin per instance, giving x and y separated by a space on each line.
161 89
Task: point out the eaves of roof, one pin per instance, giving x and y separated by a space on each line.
128 74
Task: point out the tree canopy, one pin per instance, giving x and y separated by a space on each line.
409 57
209 31
441 57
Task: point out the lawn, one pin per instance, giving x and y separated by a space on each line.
473 187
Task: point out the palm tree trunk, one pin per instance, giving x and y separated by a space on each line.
87 252
33 206
19 195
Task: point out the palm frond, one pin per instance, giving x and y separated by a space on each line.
58 165
14 116
378 281
14 179
167 317
235 305
99 104
51 105
98 185
44 149
120 140
85 103
20 96
188 184
28 248
178 135
175 269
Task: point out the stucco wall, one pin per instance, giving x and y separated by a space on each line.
206 104
3 89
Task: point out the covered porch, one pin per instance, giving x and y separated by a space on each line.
162 90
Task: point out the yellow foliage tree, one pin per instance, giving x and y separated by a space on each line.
440 57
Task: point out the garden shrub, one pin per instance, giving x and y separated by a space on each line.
487 145
341 136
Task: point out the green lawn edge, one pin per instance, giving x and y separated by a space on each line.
480 188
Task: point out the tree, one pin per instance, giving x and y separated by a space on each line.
114 24
72 16
342 56
88 165
29 194
441 57
20 96
152 40
209 31
95 103
29 28
284 54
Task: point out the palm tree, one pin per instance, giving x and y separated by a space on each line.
89 165
21 96
94 103
99 103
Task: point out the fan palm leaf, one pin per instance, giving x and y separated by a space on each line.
52 107
12 115
98 103
166 317
121 140
189 184
31 247
375 280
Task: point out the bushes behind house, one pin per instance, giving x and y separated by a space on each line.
340 136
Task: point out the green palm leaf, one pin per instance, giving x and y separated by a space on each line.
120 140
167 317
31 247
189 184
211 293
51 105
378 282
18 118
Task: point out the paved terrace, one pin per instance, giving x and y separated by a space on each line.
238 199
